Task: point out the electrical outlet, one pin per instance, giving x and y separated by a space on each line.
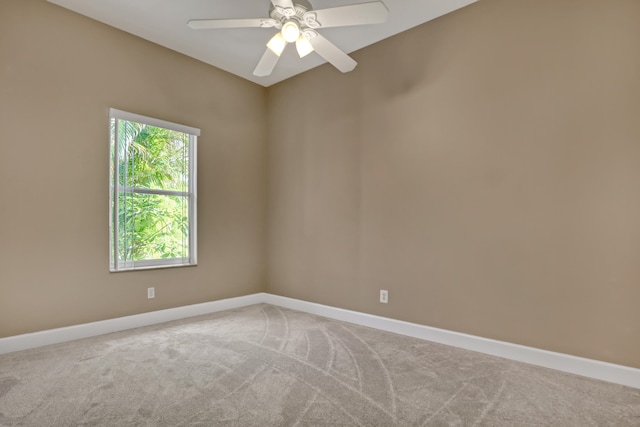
384 296
151 293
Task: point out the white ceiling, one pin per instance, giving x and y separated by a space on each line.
238 50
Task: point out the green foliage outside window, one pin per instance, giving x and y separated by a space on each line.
151 225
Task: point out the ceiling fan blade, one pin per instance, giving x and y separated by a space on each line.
342 16
204 24
332 54
267 64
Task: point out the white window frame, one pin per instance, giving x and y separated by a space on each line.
115 189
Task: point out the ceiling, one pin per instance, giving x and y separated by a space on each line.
238 50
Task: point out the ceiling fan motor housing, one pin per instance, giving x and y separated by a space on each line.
298 13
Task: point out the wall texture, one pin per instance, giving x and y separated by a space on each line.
483 167
59 74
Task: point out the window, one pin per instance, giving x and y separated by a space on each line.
153 192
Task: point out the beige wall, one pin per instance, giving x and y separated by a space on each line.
484 168
59 74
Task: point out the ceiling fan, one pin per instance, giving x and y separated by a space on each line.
298 22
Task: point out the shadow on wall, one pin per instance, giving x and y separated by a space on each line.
411 62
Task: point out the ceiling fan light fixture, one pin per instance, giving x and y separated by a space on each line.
297 22
290 31
303 46
277 44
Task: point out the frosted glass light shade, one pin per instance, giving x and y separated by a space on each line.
277 44
303 46
290 31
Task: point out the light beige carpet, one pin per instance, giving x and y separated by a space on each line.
266 366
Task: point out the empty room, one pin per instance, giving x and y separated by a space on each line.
320 212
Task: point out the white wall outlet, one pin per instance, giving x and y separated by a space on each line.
151 293
384 296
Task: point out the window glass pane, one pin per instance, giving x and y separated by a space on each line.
152 226
153 193
152 157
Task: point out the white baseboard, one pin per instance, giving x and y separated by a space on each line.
85 330
562 362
